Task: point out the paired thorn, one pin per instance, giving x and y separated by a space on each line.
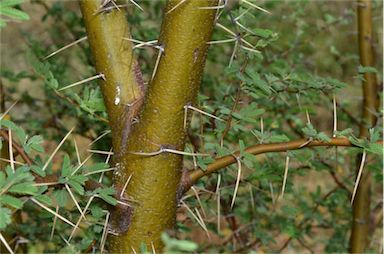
81 164
16 162
100 137
306 142
285 175
233 53
6 244
222 41
77 151
101 75
143 43
175 7
363 157
57 149
79 220
255 6
125 186
199 201
161 51
199 220
136 4
65 47
75 201
53 212
11 151
186 107
236 36
106 162
218 7
100 152
237 180
168 150
307 115
153 248
99 171
334 116
218 202
54 223
105 233
9 109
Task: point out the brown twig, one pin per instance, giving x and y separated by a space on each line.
20 150
225 161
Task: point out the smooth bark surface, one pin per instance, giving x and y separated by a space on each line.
155 179
361 205
112 54
225 161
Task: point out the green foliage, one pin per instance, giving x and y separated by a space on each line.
8 12
175 246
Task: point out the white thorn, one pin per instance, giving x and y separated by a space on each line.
57 149
285 176
358 176
65 47
101 75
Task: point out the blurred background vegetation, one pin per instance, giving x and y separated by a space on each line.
308 54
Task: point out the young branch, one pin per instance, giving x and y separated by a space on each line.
225 161
123 84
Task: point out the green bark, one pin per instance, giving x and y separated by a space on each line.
361 205
113 57
155 179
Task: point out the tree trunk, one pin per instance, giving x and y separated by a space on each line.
154 186
361 205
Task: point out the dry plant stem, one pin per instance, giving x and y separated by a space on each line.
113 57
361 205
225 161
155 182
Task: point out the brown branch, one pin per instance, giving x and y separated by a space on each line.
20 150
227 160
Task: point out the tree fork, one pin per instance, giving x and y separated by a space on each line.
185 31
361 205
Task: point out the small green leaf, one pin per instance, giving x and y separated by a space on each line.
66 168
14 13
7 3
76 186
61 197
23 188
44 199
6 199
5 217
367 69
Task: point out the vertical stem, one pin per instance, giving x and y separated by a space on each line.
154 185
123 84
362 202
